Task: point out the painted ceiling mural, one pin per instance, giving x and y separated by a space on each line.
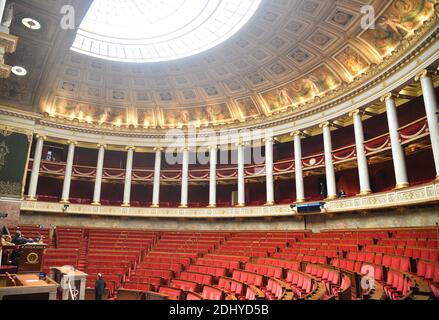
290 53
399 21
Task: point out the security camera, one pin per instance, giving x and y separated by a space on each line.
3 215
65 207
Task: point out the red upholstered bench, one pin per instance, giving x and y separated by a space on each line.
211 293
214 271
155 281
159 259
185 285
248 277
173 293
265 270
176 267
165 274
274 289
397 286
196 277
230 265
193 296
138 286
301 283
294 265
231 285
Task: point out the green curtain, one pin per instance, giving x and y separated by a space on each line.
14 149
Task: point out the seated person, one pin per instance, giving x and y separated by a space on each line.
39 239
342 194
7 252
6 241
19 239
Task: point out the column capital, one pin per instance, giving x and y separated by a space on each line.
356 112
130 148
388 96
326 124
268 139
184 149
299 133
158 149
241 144
39 136
424 73
213 147
101 145
72 142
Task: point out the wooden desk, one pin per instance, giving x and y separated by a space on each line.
31 280
27 287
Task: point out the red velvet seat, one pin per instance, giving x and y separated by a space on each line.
165 274
193 296
155 281
184 285
172 293
211 293
138 286
196 277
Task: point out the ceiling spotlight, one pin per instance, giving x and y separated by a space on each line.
31 23
19 71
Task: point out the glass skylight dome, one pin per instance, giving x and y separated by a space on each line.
159 30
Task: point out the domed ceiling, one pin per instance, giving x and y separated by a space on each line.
291 54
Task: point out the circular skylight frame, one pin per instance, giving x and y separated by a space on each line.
188 27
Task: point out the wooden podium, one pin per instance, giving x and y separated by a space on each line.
31 258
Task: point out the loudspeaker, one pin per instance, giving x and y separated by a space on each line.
309 207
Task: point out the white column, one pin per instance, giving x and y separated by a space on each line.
128 177
185 179
2 9
212 179
269 171
397 150
363 170
98 180
430 103
156 183
68 173
33 183
241 176
300 190
329 165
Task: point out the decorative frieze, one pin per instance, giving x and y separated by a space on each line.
428 193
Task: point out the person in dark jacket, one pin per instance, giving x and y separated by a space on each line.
19 239
100 287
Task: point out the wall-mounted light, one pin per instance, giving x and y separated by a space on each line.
19 71
31 23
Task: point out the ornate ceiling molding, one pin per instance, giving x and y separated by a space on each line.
332 104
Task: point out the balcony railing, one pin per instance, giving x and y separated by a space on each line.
416 195
408 134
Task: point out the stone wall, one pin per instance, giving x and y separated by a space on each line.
410 217
401 217
161 224
12 208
